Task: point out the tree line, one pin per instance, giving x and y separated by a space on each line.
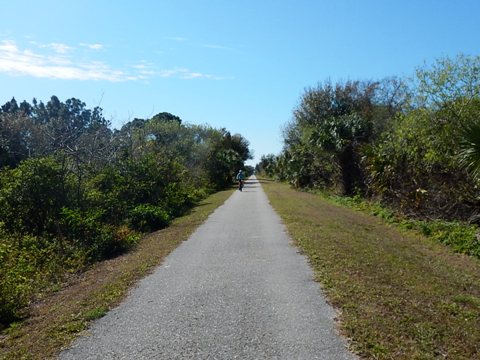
74 191
413 144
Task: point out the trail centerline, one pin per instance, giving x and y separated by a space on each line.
237 289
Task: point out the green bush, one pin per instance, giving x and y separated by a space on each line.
179 197
105 191
147 180
147 217
27 263
461 237
98 239
33 194
413 167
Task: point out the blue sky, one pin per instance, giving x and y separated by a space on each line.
242 65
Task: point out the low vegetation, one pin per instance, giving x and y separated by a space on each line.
60 316
400 295
460 236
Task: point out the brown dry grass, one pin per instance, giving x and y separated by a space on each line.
400 295
60 317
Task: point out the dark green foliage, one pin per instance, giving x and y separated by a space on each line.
414 166
10 107
249 170
28 263
470 148
15 129
33 194
420 162
147 217
167 117
462 238
227 154
267 165
96 239
324 139
105 191
152 180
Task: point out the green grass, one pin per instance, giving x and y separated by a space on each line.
400 295
96 313
461 237
59 318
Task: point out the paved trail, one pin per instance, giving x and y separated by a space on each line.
237 289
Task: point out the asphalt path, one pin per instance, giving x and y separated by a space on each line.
237 289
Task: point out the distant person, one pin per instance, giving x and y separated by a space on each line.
240 178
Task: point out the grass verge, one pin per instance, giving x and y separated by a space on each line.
400 295
460 236
60 317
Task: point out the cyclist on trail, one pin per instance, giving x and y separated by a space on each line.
240 178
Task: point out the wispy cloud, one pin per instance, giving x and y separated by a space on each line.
59 48
187 74
16 61
217 47
177 38
93 46
144 69
56 61
188 42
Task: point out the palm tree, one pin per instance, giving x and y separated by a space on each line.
469 154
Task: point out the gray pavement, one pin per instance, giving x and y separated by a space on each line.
237 289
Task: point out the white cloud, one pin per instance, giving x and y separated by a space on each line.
60 64
186 74
196 75
170 73
143 65
26 62
177 38
217 47
8 46
93 46
59 48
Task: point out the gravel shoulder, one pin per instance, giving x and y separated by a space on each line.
236 289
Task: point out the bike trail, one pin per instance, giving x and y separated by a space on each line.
237 289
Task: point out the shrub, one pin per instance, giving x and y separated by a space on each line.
413 168
147 217
33 194
461 237
27 263
98 239
106 191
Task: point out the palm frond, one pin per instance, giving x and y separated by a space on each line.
469 154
